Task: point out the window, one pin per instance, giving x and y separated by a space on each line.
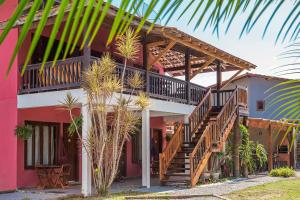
41 147
283 149
260 105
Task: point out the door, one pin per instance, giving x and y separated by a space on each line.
156 149
71 150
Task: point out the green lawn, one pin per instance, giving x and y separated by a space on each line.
283 190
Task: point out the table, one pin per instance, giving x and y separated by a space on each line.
50 176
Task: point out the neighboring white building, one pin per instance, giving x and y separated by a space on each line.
258 100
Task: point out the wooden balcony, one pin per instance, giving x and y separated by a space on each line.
67 75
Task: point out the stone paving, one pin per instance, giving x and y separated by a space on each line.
134 185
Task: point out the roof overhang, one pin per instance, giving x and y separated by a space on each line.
168 45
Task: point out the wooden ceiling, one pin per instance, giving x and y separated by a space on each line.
168 45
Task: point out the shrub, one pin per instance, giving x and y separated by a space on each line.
282 172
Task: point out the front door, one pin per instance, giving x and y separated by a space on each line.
71 152
156 149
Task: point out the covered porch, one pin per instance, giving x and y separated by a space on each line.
279 138
51 144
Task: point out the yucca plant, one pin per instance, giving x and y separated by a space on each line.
111 125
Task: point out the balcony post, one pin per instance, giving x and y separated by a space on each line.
86 185
146 148
270 148
188 74
219 82
145 62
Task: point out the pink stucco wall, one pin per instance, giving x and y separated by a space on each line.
133 170
28 177
8 105
12 171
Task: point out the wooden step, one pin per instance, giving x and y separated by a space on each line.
181 158
182 163
177 174
175 182
187 151
178 168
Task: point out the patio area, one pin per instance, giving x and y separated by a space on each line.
134 185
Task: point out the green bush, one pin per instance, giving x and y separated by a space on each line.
282 172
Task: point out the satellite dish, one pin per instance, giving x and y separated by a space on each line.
142 10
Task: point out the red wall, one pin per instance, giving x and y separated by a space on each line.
8 105
28 177
133 170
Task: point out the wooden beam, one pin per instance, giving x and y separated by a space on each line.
231 78
197 59
157 43
212 52
219 82
187 64
180 68
270 148
206 64
163 52
235 147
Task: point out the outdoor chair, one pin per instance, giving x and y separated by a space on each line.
42 176
66 173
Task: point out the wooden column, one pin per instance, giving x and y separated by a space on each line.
270 149
188 74
235 149
145 62
219 83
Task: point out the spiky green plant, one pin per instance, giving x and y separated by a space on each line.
111 124
251 153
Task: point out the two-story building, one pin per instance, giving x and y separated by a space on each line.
264 120
165 53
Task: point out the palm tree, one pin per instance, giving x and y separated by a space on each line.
91 13
213 13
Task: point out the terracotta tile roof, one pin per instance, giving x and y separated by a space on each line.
203 56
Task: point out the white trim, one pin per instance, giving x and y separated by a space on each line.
55 98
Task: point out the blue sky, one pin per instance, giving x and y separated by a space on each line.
251 47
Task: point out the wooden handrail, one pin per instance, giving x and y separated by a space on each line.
199 114
199 155
170 151
212 134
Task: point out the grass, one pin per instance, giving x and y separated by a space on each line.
283 190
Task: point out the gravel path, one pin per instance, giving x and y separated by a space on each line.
216 188
228 186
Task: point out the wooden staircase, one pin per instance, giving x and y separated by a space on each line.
186 156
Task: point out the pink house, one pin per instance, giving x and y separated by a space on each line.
165 53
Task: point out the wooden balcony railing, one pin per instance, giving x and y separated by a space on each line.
170 151
66 74
198 115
